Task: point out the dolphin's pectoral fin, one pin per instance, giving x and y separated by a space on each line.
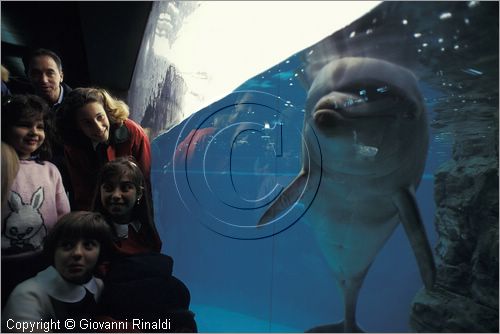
410 218
286 199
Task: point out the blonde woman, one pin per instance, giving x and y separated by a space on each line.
10 167
95 129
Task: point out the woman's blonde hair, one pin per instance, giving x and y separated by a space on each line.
10 167
116 110
5 74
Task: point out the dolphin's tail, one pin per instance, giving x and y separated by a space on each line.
350 287
334 328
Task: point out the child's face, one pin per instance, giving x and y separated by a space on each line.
26 136
75 260
93 122
118 197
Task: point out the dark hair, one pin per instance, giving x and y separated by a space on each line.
32 107
116 111
126 166
44 52
77 225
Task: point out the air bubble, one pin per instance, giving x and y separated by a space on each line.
445 16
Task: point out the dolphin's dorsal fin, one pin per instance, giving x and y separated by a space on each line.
286 199
409 215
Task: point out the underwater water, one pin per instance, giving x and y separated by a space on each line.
215 173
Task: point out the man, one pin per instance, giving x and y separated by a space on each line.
46 75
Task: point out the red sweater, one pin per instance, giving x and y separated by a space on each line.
83 166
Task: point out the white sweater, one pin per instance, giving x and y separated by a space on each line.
30 301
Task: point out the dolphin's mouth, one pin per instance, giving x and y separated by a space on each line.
348 104
364 112
355 107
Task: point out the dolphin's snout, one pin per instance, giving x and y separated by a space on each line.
329 111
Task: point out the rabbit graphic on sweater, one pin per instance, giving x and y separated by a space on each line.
24 227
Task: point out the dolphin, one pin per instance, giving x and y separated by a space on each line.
370 121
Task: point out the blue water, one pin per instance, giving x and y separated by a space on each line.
275 279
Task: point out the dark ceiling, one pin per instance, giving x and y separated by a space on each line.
98 42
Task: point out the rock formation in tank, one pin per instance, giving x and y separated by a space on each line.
466 194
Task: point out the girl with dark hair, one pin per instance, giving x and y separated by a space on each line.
25 110
67 289
37 197
138 279
95 129
121 197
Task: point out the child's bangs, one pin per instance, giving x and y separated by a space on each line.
31 115
116 172
83 229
